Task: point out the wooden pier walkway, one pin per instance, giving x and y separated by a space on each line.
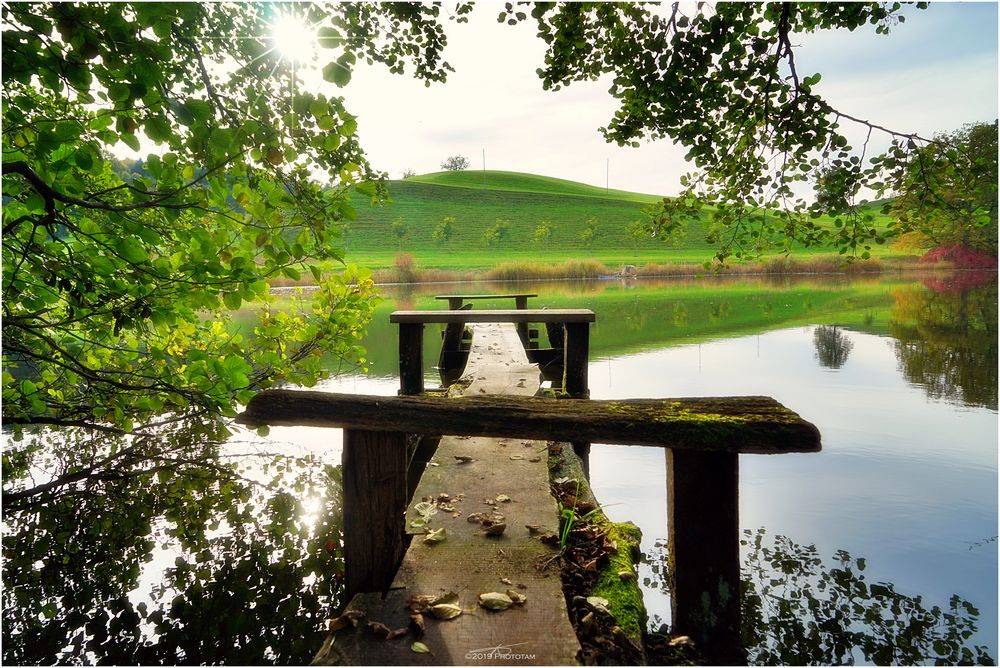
469 476
493 468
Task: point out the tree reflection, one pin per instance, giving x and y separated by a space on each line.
946 339
832 346
169 557
799 611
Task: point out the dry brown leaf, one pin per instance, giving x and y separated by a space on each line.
516 597
348 619
495 601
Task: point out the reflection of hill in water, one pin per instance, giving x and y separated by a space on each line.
645 314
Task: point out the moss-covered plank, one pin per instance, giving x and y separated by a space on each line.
722 424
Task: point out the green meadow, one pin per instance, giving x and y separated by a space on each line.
584 222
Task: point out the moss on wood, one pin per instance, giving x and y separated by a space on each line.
623 593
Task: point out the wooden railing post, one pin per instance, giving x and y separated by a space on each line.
375 498
411 361
704 546
576 357
521 303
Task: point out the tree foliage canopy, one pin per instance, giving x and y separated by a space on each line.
114 284
947 190
721 80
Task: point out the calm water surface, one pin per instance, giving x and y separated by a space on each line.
899 374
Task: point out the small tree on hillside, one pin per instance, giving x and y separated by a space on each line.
455 163
589 232
399 230
444 230
542 233
495 235
407 173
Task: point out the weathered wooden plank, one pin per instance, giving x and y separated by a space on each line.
724 424
374 530
703 538
494 315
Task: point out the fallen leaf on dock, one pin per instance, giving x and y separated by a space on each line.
533 529
445 611
516 597
349 618
464 459
598 602
495 601
384 632
436 536
535 460
506 581
420 648
517 457
494 528
503 498
417 623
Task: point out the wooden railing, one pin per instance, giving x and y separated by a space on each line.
574 325
703 437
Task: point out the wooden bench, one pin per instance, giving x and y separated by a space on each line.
703 437
456 302
574 324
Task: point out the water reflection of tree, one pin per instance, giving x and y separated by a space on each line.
832 346
946 340
160 564
799 611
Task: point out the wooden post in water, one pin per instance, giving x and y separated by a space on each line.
411 362
576 357
704 546
375 498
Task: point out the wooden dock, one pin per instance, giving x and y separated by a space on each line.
467 476
408 537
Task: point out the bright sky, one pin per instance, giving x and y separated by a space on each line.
934 73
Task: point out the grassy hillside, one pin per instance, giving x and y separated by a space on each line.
478 199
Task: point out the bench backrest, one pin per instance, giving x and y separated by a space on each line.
568 315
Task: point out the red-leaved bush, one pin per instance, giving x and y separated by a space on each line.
961 256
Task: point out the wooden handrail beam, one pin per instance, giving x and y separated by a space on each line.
758 425
568 315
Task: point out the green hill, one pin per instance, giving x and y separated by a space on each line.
476 200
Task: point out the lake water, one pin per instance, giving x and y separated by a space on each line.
899 374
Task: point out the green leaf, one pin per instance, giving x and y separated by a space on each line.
232 300
420 648
119 92
337 73
131 250
130 140
329 38
158 129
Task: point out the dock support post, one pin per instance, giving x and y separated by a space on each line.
411 362
704 546
521 303
576 357
374 469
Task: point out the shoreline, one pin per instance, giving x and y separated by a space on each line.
547 273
